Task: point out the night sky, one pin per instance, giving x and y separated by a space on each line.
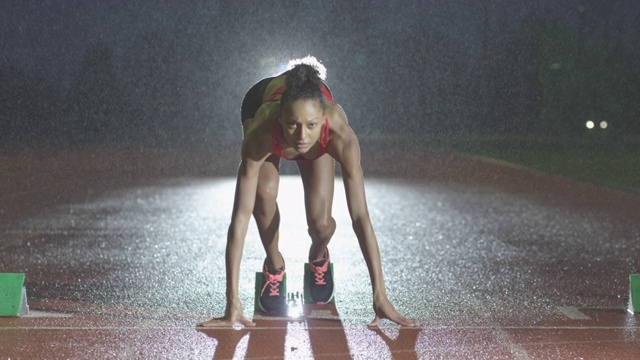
176 71
50 37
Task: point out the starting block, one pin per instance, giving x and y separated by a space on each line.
634 292
13 295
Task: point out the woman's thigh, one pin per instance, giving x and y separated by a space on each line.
318 177
268 182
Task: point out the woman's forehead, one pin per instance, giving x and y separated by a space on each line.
304 106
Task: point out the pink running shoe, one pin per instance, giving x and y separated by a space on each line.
273 293
320 280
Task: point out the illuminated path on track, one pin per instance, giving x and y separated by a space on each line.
488 272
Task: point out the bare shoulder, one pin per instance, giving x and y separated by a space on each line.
343 144
336 115
338 122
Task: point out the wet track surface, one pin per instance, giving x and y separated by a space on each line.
124 255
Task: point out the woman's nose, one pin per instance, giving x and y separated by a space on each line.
302 134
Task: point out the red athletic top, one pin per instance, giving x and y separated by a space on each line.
276 133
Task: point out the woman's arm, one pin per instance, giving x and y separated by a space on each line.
346 150
244 201
246 185
353 180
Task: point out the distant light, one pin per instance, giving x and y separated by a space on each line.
590 124
603 124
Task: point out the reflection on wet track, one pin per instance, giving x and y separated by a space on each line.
487 272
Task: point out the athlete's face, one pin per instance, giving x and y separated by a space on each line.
302 123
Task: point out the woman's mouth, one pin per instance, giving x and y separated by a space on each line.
300 146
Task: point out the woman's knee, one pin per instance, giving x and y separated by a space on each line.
266 196
321 227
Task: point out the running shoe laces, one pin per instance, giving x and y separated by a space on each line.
320 270
320 280
273 289
272 281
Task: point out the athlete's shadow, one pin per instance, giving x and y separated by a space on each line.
327 338
227 340
267 339
402 346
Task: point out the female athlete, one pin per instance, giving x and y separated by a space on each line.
292 116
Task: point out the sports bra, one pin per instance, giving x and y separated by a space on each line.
276 130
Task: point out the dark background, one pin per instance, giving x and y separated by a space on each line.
173 73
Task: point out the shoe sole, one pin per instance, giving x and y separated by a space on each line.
307 291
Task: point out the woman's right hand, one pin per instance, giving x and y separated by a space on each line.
384 310
233 315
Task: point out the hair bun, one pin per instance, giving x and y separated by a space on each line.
303 70
304 80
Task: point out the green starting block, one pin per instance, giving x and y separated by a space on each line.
634 301
13 295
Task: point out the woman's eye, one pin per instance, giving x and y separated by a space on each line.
312 126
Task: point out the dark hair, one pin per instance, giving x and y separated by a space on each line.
303 81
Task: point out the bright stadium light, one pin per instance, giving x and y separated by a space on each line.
590 124
603 125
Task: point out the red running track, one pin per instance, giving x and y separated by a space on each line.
123 256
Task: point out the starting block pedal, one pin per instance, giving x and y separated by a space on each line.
634 292
13 295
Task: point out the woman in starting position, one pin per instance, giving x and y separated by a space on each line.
292 116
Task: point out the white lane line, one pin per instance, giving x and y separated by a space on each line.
44 314
102 328
322 315
573 313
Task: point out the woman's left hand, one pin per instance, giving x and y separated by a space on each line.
385 310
